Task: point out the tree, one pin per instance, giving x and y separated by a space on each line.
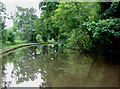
44 23
25 21
2 15
69 18
3 31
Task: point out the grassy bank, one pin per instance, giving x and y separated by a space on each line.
8 43
9 48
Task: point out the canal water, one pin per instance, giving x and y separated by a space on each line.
55 66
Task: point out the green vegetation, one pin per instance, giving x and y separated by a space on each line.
24 20
85 26
9 46
2 22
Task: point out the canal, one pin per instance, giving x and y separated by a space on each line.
55 66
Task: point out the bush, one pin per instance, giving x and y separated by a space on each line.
39 38
11 35
109 26
80 40
19 35
104 32
4 35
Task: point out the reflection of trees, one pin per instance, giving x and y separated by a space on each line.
58 66
27 66
23 64
27 63
70 69
65 69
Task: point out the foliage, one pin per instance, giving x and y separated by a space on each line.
104 32
110 9
69 17
80 40
44 23
24 19
2 15
4 35
11 35
3 31
19 35
80 25
39 38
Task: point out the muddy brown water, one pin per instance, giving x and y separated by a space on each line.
54 66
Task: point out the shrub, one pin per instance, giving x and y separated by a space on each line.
104 32
11 35
80 40
39 38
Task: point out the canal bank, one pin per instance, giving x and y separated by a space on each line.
10 49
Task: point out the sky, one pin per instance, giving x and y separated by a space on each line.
11 6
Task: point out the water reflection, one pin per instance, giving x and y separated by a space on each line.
53 66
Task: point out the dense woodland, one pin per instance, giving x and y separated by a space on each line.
85 26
